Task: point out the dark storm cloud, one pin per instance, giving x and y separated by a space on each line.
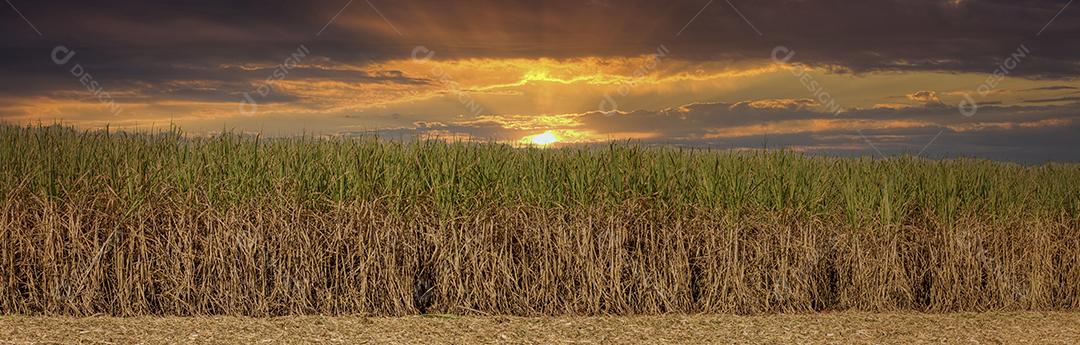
130 45
1050 100
848 36
150 40
949 115
161 82
1024 145
695 120
1051 88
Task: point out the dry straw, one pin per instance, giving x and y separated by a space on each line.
136 224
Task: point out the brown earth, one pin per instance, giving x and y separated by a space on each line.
844 327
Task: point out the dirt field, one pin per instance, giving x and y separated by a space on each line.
848 327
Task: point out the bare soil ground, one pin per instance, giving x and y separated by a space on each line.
845 327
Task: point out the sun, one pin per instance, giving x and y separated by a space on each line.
544 139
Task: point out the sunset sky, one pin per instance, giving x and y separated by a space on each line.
940 78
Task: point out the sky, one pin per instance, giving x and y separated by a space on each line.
935 78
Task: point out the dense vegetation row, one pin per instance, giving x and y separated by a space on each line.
123 223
